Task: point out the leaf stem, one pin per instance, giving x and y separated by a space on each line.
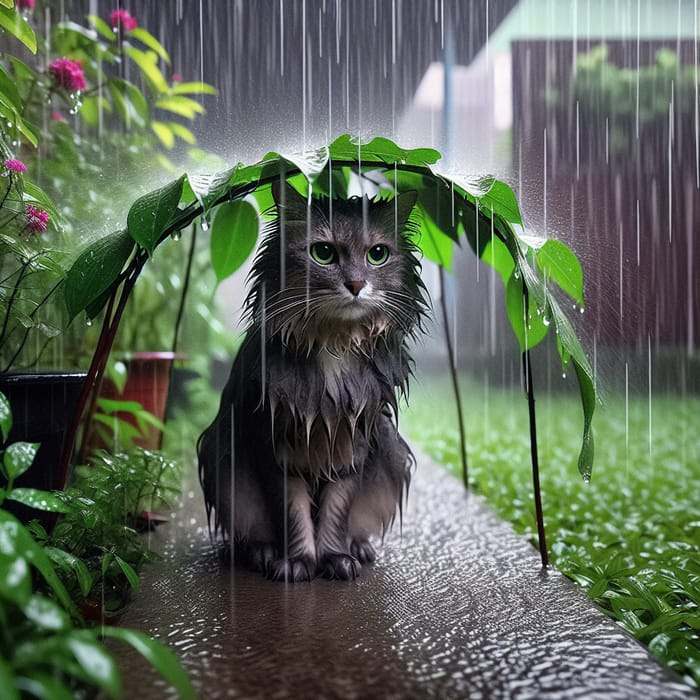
530 393
455 380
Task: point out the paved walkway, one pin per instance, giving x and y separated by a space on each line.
457 607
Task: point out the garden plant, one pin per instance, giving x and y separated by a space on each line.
46 648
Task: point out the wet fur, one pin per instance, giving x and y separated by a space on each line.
307 420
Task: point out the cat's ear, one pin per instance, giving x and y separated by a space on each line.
403 206
289 202
394 213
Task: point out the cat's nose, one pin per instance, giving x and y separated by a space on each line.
355 287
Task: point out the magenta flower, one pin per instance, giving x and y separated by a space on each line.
24 4
37 219
67 74
122 20
58 116
15 166
177 78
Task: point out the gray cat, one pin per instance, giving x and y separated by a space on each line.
303 462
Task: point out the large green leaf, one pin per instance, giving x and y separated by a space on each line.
234 233
195 88
380 150
41 500
15 540
149 216
9 93
29 131
159 656
502 199
96 270
531 326
180 105
129 102
208 188
435 244
570 350
18 457
147 63
310 165
145 37
95 661
496 255
46 614
14 23
164 133
558 263
102 27
67 561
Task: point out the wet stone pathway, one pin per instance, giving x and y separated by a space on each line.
456 606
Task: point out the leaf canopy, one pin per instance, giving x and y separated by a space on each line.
482 209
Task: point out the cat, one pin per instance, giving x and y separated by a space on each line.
303 463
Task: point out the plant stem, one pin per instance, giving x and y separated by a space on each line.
185 288
455 380
530 392
120 296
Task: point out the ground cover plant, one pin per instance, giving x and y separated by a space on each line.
629 537
46 648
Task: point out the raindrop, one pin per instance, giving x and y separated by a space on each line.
204 223
177 235
88 321
586 478
546 320
563 375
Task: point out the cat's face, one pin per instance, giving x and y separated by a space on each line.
346 270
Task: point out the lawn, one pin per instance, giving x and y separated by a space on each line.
630 536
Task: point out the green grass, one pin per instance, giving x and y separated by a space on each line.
630 537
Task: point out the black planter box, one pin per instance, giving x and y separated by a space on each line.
42 405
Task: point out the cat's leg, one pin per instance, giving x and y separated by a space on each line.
334 557
381 490
299 562
251 520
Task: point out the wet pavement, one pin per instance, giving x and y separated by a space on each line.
456 606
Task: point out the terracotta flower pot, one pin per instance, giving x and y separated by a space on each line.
148 383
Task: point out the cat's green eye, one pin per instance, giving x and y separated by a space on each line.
323 253
378 254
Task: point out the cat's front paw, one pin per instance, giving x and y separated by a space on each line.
363 551
339 566
261 557
294 569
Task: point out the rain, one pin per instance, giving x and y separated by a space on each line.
588 109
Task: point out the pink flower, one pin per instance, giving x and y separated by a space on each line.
122 20
58 116
67 74
37 219
177 78
15 166
24 4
